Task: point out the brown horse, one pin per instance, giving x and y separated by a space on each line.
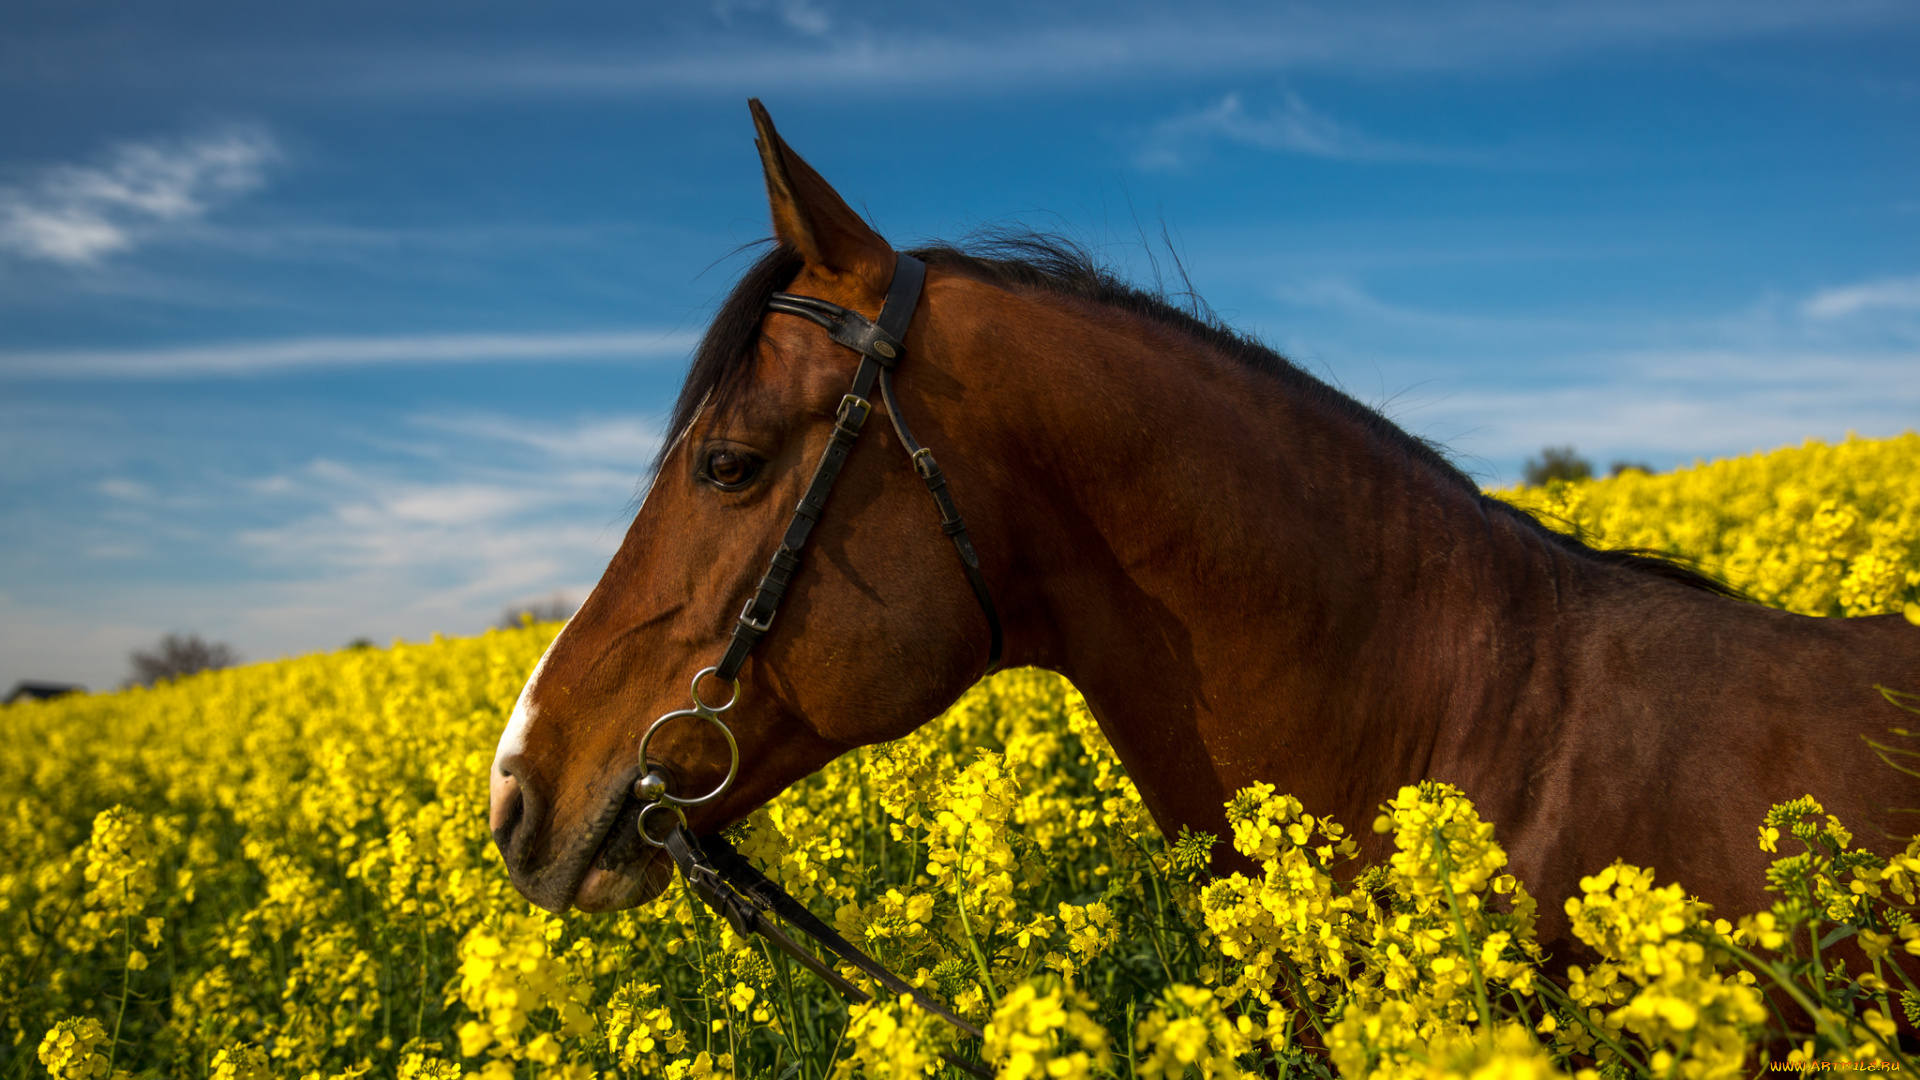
1251 577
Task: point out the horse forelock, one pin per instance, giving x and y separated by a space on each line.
726 355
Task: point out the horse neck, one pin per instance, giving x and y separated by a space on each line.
1250 583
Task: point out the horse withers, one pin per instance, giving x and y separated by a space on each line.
1250 576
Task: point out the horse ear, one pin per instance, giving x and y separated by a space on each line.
811 216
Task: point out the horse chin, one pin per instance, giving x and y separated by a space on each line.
625 885
626 871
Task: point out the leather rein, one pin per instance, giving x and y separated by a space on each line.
717 874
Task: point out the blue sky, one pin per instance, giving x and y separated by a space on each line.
322 321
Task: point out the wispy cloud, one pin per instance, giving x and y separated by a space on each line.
436 526
1664 390
800 16
1663 407
261 357
1289 126
1899 294
1883 308
79 214
1026 45
626 440
520 508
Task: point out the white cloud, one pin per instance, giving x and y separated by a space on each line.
1770 325
1899 294
119 487
480 521
443 524
249 358
800 16
78 214
622 440
1672 421
1104 43
1666 388
1291 126
460 545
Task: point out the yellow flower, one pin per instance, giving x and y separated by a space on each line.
1038 1034
1188 1029
242 1061
891 1039
742 997
71 1050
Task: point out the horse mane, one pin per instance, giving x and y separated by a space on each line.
1035 261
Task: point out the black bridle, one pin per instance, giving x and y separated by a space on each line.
880 346
711 868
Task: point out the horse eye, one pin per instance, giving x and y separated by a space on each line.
730 470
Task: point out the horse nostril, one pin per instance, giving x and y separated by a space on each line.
505 809
514 808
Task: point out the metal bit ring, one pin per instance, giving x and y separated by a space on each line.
694 690
711 714
650 808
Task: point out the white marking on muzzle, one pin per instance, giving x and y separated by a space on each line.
514 739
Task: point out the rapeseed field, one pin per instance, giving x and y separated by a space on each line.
283 870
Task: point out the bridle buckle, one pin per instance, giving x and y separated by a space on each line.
852 414
757 626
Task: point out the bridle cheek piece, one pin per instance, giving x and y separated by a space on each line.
880 345
725 880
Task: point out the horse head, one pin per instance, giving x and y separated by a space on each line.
878 632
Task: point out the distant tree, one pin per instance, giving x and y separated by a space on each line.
1557 463
555 608
40 690
361 643
177 655
1619 467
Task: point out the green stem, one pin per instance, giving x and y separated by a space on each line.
839 1041
966 926
1886 1005
1794 991
1300 996
1549 989
973 945
420 1010
793 1010
1159 904
47 938
1460 929
1673 1067
126 974
1813 939
733 1028
700 943
1520 1007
